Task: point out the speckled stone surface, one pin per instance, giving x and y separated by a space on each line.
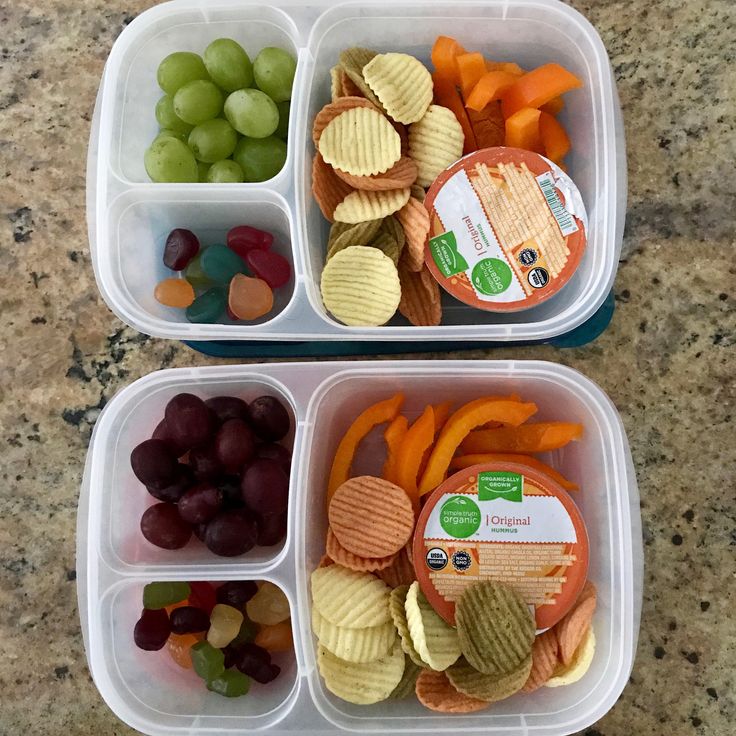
667 360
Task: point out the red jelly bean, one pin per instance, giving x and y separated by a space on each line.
271 267
181 246
244 238
202 595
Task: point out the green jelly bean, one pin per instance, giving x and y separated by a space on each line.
208 307
194 273
247 633
230 683
160 595
220 264
208 662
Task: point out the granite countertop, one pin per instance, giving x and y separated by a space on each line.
667 360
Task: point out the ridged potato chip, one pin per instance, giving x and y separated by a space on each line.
344 234
490 688
352 62
360 206
402 83
360 141
544 661
350 599
364 683
330 111
414 218
354 645
335 83
567 674
435 142
571 629
360 286
418 192
352 561
495 627
401 572
402 174
328 190
435 641
420 297
387 244
406 686
435 691
397 608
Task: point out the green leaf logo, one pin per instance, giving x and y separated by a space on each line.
445 254
500 484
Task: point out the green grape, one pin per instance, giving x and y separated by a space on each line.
252 113
198 101
207 661
204 169
179 68
171 134
225 172
230 683
228 64
260 158
170 160
168 119
282 129
274 71
160 595
212 140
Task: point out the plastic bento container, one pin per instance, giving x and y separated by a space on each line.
114 562
129 217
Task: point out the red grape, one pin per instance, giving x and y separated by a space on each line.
189 420
228 407
234 445
231 533
152 629
181 246
189 620
200 504
162 525
204 462
271 529
232 497
183 481
162 433
265 487
245 238
236 593
268 418
154 464
271 267
274 451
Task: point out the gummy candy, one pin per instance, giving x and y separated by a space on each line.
249 298
174 293
268 606
225 624
160 595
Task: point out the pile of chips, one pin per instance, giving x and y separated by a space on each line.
379 143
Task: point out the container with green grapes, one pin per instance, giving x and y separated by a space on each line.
222 117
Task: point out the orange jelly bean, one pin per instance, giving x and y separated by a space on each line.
249 298
275 638
174 293
179 646
174 606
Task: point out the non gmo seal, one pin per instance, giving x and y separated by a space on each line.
436 559
461 560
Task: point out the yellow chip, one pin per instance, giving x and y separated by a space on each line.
402 84
352 62
350 599
361 683
360 141
361 205
335 83
397 607
567 674
354 645
360 286
435 641
435 142
344 234
491 688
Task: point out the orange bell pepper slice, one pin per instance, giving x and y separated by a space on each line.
538 87
489 88
417 440
555 140
460 424
446 94
393 435
465 461
383 411
488 125
470 68
540 437
505 66
444 54
554 106
522 130
441 415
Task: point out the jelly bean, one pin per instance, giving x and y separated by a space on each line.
230 683
271 267
189 620
275 638
171 608
174 293
202 596
152 629
220 264
237 593
268 606
247 633
208 661
181 246
249 298
245 238
179 648
195 275
207 307
160 595
255 662
225 624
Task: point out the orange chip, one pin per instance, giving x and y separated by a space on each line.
570 630
328 189
371 517
325 561
414 218
420 296
332 109
346 558
401 175
436 692
400 571
544 660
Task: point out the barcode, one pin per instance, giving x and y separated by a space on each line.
562 216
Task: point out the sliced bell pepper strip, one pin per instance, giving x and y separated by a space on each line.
465 461
393 435
470 68
489 88
441 415
554 106
444 54
460 424
383 411
538 87
419 437
488 125
539 437
555 141
505 66
446 94
522 130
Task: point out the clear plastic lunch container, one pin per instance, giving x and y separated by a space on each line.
149 692
129 217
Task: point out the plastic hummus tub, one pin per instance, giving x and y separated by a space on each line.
505 522
507 229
